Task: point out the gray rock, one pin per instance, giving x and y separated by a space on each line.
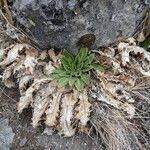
70 23
6 134
78 142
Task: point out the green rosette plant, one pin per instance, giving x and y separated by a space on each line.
75 71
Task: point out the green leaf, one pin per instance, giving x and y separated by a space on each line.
63 82
59 73
145 44
58 70
85 78
79 84
66 64
78 73
79 66
72 81
68 55
98 67
54 76
91 58
83 52
87 69
86 62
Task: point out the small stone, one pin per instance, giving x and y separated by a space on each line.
6 134
48 131
23 142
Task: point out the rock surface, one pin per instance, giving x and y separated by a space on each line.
6 134
69 23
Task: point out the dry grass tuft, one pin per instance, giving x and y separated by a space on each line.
116 132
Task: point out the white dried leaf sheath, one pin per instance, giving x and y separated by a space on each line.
53 109
83 108
13 54
7 77
67 114
26 99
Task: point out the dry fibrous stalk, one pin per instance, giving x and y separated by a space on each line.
67 110
4 8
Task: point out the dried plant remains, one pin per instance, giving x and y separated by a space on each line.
107 104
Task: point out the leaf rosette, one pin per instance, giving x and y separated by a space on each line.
75 71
